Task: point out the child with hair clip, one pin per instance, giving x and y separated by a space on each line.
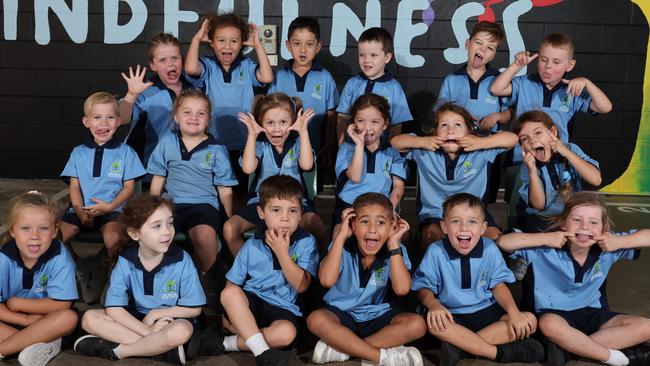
367 164
154 295
38 283
551 170
570 264
283 148
451 160
193 168
228 78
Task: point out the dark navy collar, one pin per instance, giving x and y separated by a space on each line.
158 83
10 249
235 64
288 143
488 71
537 79
477 252
352 246
592 258
555 159
315 66
187 155
386 77
173 255
113 143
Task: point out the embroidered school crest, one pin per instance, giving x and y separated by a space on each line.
380 277
207 160
170 290
387 167
482 281
42 284
316 94
294 257
564 106
596 271
115 169
491 99
291 155
467 169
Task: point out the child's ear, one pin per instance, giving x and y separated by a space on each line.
572 64
388 57
152 66
133 233
319 45
483 227
84 120
443 226
288 45
260 213
554 131
467 43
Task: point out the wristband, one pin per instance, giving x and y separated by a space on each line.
395 251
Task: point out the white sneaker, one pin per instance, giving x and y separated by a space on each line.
39 354
323 353
403 356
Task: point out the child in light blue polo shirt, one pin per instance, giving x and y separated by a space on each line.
570 267
304 78
101 173
461 282
154 295
194 170
451 160
147 106
37 282
368 164
375 52
365 262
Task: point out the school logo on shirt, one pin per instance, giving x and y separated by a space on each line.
241 77
207 160
294 257
482 281
596 271
42 284
387 167
170 291
467 169
291 155
564 106
491 99
115 169
380 277
316 94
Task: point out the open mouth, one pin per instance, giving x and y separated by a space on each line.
464 241
276 139
477 60
102 132
540 153
583 238
372 244
227 56
33 249
172 74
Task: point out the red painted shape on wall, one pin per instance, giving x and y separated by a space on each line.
488 15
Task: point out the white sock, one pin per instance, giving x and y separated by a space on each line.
257 344
617 358
116 352
230 343
382 355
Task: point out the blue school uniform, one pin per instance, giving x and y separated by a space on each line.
152 117
192 175
363 293
230 92
174 282
317 90
102 170
53 275
554 175
440 177
378 170
386 86
459 88
560 283
257 269
270 163
463 284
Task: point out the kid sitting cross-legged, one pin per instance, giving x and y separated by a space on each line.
365 262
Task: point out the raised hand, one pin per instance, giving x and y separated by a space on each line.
202 33
251 124
575 86
524 58
529 159
557 145
557 239
607 241
135 81
346 227
253 37
357 137
401 227
486 123
278 242
302 120
470 143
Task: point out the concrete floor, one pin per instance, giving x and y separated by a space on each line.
628 285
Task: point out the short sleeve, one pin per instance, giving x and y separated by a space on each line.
583 102
343 158
578 151
500 272
118 287
199 81
134 168
191 292
517 85
346 98
62 283
398 165
529 255
138 113
332 96
251 68
157 164
70 169
308 256
399 109
239 270
427 276
222 170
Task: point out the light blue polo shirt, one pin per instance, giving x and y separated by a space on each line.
230 92
317 90
152 117
363 293
270 163
192 175
459 88
379 167
554 175
386 86
529 93
174 282
257 269
560 283
102 170
53 275
462 283
440 177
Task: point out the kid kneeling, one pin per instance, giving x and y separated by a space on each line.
269 272
365 261
461 281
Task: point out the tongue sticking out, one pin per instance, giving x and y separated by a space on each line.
540 153
477 61
463 242
371 244
584 237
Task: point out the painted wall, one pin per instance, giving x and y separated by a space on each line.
53 53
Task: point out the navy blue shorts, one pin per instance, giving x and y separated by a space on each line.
367 328
189 215
480 319
586 320
249 212
436 220
98 221
265 314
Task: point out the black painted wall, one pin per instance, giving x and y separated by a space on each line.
43 86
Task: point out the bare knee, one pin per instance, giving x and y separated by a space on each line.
317 320
178 333
66 319
91 320
230 293
284 333
231 230
69 231
415 326
551 324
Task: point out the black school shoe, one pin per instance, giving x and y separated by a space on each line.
274 357
175 356
207 342
638 356
450 355
93 346
525 350
555 355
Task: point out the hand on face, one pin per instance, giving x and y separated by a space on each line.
524 58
